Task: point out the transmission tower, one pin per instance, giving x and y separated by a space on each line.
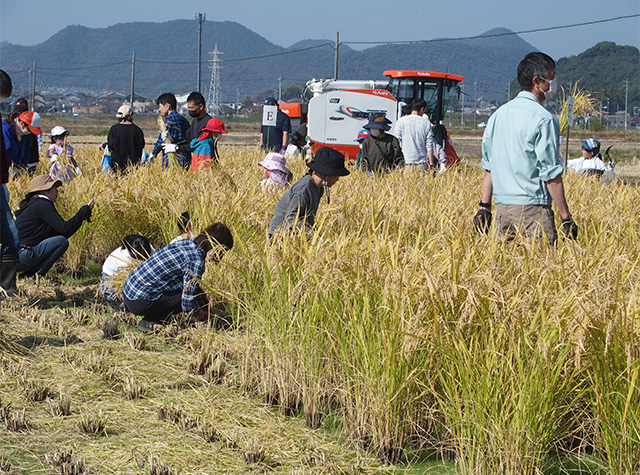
214 104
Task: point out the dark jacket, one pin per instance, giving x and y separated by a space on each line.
39 220
381 154
194 132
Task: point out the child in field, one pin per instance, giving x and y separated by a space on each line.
185 228
276 174
297 208
363 134
205 151
134 247
591 162
60 154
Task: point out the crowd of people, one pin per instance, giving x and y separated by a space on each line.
522 176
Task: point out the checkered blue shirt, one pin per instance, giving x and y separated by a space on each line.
177 129
174 267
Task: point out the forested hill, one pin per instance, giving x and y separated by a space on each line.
603 70
96 59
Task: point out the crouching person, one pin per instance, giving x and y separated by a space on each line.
167 283
43 232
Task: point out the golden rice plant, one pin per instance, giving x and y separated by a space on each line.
585 105
399 318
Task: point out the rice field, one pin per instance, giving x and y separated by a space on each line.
395 340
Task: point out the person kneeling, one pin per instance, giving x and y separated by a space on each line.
43 232
166 283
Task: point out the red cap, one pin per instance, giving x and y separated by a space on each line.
32 119
214 125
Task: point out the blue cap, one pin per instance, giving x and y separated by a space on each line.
363 134
591 145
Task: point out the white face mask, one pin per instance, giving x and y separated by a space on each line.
376 132
553 88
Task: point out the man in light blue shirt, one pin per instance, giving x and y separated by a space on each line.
520 159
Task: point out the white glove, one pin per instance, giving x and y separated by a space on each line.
54 157
163 135
169 148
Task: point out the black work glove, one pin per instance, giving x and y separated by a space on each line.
482 221
569 228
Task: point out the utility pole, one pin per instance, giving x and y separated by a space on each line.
475 104
626 101
133 75
462 106
237 102
279 88
32 91
335 58
200 18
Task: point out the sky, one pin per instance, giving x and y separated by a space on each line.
285 22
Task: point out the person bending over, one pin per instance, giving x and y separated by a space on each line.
167 283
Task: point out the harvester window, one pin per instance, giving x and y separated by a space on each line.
429 92
406 89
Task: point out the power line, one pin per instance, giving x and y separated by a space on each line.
240 59
279 54
536 30
84 67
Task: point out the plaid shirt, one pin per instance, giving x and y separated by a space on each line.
174 267
177 129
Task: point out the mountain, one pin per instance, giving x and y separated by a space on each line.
603 70
166 59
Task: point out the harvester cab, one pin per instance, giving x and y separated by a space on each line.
339 108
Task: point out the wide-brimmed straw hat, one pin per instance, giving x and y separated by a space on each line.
41 183
328 161
57 131
378 121
274 162
213 125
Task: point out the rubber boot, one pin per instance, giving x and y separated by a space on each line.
8 271
45 267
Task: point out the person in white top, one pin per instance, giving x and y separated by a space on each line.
591 162
134 247
415 135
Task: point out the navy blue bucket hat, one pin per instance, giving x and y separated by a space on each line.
378 121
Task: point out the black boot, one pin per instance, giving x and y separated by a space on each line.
8 270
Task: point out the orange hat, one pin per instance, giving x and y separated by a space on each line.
32 119
213 125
